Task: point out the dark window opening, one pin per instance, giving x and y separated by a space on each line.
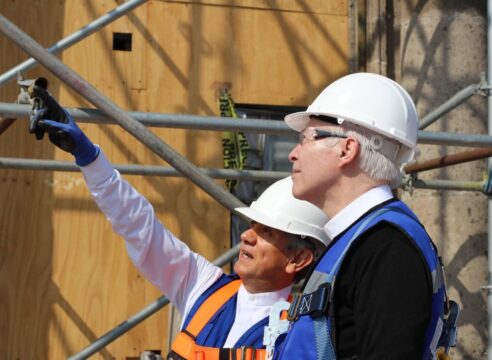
266 152
122 41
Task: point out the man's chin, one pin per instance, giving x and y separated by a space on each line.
309 196
238 268
297 192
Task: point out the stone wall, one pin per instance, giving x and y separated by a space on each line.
434 49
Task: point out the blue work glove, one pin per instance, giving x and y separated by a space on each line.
69 137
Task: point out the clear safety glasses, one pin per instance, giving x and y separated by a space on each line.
311 134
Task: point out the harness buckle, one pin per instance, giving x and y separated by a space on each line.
315 304
449 331
294 306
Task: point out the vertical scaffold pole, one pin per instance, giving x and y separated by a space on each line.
489 115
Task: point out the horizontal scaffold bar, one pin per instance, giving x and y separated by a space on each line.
151 170
255 175
8 110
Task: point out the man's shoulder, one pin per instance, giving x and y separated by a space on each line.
386 235
388 246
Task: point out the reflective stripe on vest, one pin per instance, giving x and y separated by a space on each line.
310 337
185 347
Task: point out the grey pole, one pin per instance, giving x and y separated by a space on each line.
141 315
489 115
409 183
113 112
458 139
75 37
54 165
8 110
457 99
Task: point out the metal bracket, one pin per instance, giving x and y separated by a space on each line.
276 327
486 288
408 183
23 97
487 183
484 87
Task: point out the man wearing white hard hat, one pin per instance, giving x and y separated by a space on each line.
381 271
224 315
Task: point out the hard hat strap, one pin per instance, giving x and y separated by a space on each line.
385 146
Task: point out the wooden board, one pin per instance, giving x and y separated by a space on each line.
65 279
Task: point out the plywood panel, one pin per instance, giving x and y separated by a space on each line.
64 276
332 7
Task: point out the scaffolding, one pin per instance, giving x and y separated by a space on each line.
135 123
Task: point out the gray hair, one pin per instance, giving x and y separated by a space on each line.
298 242
371 160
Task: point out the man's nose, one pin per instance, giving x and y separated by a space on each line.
248 236
293 153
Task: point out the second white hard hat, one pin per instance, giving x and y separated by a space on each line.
279 209
371 101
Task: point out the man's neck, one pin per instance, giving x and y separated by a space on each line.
345 192
258 286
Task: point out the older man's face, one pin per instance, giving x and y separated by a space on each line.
314 169
264 259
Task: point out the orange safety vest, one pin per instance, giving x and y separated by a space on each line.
184 346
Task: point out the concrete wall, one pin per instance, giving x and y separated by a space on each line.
436 48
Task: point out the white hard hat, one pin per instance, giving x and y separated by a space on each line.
371 101
279 209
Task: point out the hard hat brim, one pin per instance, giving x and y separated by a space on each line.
299 120
259 217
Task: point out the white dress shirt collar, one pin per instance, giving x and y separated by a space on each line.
341 221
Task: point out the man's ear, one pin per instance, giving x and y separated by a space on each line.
299 260
349 149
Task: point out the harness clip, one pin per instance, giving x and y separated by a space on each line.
314 304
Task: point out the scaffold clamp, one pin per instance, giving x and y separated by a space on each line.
487 184
408 183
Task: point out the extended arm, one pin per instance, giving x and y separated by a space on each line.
165 261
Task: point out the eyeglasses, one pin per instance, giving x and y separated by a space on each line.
312 134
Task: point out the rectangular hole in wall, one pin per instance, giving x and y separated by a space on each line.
122 41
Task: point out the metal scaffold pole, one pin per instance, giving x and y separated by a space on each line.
150 170
197 122
110 110
253 175
212 123
459 98
489 115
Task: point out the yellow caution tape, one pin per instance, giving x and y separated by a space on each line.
234 144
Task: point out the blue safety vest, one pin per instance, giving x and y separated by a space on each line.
214 334
207 326
311 333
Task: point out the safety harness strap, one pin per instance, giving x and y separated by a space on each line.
208 309
317 296
184 345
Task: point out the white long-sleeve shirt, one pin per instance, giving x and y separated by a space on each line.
167 262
